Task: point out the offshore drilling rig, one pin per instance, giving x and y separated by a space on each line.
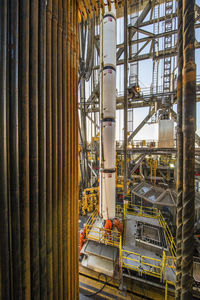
100 146
130 189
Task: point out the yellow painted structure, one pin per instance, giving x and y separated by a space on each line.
99 235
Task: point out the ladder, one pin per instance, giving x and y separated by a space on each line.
156 16
130 120
167 46
133 77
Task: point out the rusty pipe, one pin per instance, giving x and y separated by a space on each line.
14 148
42 149
65 218
179 184
34 158
24 10
49 225
4 221
60 140
55 145
189 127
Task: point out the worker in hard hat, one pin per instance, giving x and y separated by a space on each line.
82 239
84 230
118 225
108 228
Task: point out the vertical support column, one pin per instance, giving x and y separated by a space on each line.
189 125
179 184
108 139
125 97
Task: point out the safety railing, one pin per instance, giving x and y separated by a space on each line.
146 265
108 237
168 234
142 264
166 287
143 211
92 218
152 212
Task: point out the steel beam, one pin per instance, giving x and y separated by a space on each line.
125 169
138 162
150 114
138 23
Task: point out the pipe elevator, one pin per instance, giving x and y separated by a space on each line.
39 149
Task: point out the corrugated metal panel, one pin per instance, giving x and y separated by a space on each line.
166 134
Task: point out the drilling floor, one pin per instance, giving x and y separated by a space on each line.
129 244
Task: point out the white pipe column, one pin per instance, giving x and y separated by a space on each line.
107 114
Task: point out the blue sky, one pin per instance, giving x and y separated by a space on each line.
148 132
145 79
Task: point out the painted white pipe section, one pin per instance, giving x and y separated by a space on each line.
107 114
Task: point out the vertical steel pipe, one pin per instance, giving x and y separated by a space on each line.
75 148
4 221
42 149
69 201
76 155
65 228
125 173
39 150
14 147
179 184
24 9
34 158
60 140
71 153
49 225
55 145
189 126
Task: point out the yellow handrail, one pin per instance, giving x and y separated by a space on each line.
168 234
101 235
155 270
154 213
146 265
